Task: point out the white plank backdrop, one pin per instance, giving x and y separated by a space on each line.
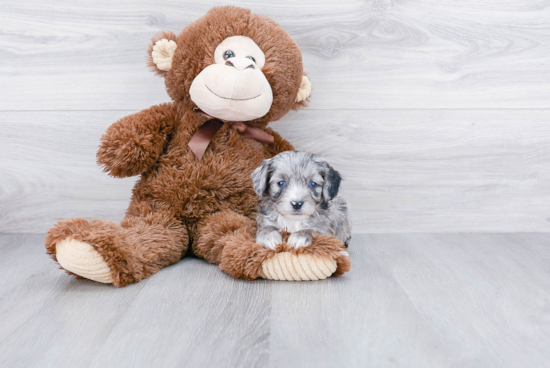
436 112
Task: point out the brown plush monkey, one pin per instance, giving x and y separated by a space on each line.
229 74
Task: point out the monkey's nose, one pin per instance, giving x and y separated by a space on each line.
297 204
240 63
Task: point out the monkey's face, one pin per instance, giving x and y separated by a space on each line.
234 87
233 65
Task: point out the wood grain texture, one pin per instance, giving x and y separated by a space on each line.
436 113
415 300
435 170
90 55
48 170
406 170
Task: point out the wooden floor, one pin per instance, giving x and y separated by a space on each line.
411 300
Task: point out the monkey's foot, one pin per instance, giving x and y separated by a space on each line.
83 260
80 247
325 257
297 267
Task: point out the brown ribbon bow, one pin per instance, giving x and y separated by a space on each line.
202 137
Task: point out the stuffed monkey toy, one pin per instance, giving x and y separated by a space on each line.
228 74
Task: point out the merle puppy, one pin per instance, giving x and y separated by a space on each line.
298 193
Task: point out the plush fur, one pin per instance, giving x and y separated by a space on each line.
181 204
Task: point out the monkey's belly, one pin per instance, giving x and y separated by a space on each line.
195 189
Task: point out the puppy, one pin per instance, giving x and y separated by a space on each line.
298 193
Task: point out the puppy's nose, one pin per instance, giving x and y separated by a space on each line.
297 204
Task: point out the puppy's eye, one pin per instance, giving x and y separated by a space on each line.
251 58
313 184
228 54
282 184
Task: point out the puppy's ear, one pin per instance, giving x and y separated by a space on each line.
161 51
332 183
260 177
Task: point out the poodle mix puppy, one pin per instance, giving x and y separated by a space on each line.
298 194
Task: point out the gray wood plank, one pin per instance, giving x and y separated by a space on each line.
487 293
21 256
48 170
54 320
415 300
189 314
435 170
405 170
67 55
477 301
363 319
213 321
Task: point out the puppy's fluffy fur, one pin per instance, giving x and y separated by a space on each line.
298 194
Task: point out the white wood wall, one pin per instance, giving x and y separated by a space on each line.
437 113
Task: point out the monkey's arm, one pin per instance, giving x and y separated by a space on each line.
280 144
134 143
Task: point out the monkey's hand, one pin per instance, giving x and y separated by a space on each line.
134 143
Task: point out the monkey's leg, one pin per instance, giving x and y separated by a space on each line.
228 239
122 254
325 257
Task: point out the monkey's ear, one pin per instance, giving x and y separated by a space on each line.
305 90
260 177
161 52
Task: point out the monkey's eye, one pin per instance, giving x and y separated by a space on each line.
282 184
228 54
251 58
313 184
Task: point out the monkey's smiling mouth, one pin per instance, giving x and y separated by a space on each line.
233 99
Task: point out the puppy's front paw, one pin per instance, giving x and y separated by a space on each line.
300 239
269 240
